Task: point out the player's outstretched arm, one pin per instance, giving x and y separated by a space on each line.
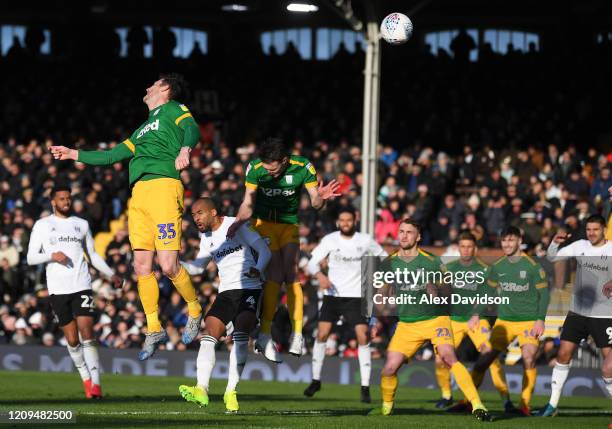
320 194
196 267
244 212
120 152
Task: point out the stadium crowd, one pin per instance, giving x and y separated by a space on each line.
462 157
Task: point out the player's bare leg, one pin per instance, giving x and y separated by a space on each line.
75 349
274 280
365 361
171 267
295 297
148 291
318 356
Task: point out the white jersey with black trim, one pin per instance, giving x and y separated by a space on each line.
594 269
344 261
234 257
72 237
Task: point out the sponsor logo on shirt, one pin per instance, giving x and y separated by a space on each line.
513 287
68 239
222 253
153 126
311 169
274 192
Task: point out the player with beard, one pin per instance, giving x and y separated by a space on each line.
586 316
522 281
420 322
61 241
344 250
273 191
238 297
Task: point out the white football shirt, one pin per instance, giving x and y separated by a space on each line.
594 269
72 237
233 257
344 261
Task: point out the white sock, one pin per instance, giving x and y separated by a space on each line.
90 352
238 357
76 353
608 382
318 356
557 380
206 360
365 363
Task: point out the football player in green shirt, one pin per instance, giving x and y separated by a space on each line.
420 320
523 281
272 196
158 150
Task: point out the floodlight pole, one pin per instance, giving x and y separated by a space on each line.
371 107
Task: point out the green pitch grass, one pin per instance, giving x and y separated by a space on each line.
138 402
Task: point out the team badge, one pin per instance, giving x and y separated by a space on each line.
523 274
289 179
77 229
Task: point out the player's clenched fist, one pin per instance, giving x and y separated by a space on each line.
182 160
63 153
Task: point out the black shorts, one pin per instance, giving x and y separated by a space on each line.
231 303
69 306
349 308
577 328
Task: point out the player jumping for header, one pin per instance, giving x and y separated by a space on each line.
272 198
158 149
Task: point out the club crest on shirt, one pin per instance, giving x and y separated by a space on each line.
77 229
523 274
289 179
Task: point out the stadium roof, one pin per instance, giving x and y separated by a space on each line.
266 14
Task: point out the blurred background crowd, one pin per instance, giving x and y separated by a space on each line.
510 139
